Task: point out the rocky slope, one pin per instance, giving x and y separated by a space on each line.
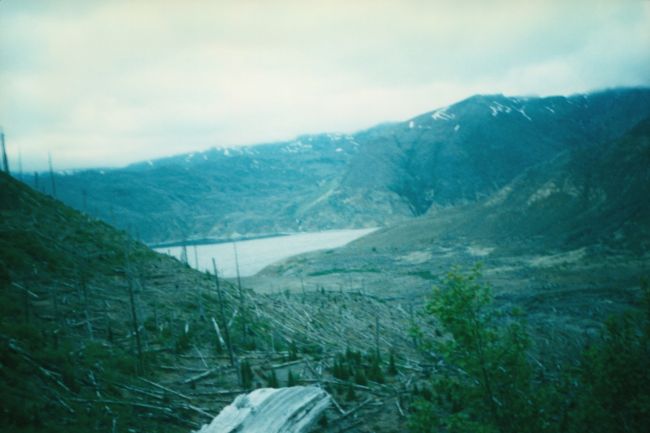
389 173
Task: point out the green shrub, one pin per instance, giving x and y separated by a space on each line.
272 380
487 385
246 374
614 379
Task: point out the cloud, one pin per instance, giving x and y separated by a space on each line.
108 83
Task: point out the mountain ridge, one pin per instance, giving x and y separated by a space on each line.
385 174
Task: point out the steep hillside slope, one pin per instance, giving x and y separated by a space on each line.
386 174
588 196
98 333
463 152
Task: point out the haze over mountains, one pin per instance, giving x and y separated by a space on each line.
389 173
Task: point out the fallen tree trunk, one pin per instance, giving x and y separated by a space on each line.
270 410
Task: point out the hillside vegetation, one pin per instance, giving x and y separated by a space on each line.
99 333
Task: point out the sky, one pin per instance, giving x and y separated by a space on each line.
107 83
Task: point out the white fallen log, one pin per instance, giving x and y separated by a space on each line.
269 410
218 331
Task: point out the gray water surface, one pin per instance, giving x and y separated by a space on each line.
254 255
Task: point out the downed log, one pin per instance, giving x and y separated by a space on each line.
200 376
269 410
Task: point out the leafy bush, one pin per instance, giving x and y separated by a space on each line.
487 385
614 378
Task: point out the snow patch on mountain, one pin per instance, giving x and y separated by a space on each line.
297 147
442 114
523 113
497 108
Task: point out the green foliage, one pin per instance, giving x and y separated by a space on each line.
350 395
272 380
353 357
392 367
183 342
291 380
246 328
340 369
246 373
150 324
360 377
293 351
423 418
374 372
312 349
614 377
487 382
5 278
21 248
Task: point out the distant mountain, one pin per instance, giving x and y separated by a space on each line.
389 173
595 195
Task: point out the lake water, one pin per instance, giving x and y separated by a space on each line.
254 255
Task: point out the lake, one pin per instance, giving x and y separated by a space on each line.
256 254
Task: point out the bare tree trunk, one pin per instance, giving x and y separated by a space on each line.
134 316
222 315
244 315
241 295
49 159
136 327
20 165
184 258
5 160
377 335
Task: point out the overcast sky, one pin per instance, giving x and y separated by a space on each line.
106 83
